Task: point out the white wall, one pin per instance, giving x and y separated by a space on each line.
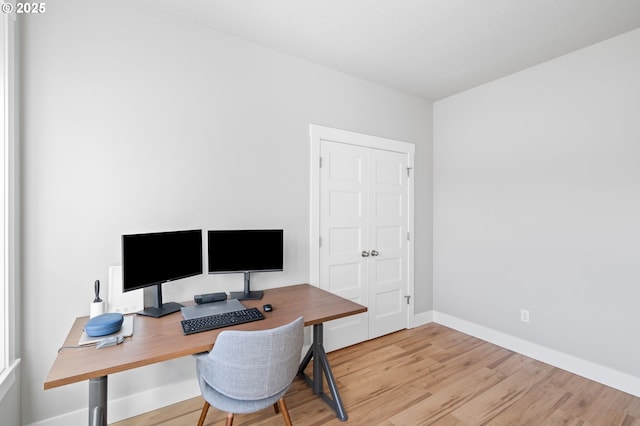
136 121
537 204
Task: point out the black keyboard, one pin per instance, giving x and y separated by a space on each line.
211 322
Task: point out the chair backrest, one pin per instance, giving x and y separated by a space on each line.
250 365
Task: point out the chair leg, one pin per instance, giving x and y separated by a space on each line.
229 419
275 408
203 414
285 412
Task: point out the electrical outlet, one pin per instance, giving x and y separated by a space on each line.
524 315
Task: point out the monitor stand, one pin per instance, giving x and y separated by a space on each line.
160 309
247 294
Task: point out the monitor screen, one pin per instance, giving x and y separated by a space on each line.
245 251
150 259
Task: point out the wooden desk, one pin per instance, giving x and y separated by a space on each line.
161 339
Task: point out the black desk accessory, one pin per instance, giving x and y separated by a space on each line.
96 288
209 297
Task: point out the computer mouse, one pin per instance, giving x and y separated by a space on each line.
267 307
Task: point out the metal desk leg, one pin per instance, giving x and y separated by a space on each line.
320 367
98 401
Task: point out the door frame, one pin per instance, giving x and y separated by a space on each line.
319 133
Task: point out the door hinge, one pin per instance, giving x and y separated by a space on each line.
409 171
408 236
408 299
320 241
320 161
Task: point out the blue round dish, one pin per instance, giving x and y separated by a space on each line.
104 324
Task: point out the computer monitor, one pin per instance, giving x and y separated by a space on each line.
156 258
245 251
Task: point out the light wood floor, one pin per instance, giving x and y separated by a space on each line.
435 375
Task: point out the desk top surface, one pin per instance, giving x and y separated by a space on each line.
161 339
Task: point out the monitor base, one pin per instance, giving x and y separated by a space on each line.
241 295
165 309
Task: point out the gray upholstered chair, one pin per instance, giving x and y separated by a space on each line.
247 371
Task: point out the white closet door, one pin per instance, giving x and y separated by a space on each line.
387 277
363 230
343 232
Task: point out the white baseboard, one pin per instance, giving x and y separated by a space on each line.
422 319
601 374
131 405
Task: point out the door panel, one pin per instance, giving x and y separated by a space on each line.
389 270
343 230
344 241
388 304
389 238
345 278
388 206
388 229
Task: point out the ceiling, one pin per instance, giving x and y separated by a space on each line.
429 48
